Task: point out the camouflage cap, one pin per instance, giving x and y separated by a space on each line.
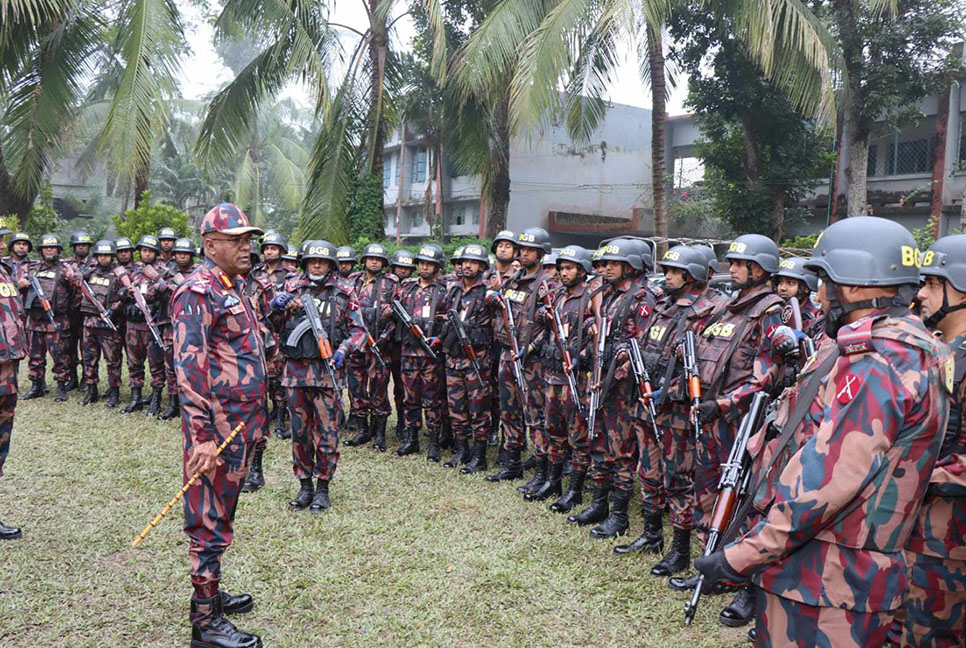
227 218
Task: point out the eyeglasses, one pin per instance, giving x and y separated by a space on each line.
235 241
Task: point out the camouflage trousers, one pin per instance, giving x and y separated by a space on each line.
368 385
8 403
650 462
42 341
398 391
104 341
170 377
613 450
140 345
716 441
516 416
782 622
677 453
934 610
423 382
566 429
209 512
468 400
316 418
276 393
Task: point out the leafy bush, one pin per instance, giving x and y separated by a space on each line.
149 218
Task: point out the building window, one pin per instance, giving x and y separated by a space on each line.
387 170
458 219
873 160
912 157
475 211
419 165
415 218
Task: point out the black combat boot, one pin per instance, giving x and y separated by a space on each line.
512 467
539 476
530 463
573 496
112 396
320 502
282 430
60 395
616 523
596 512
461 453
651 540
174 408
136 404
236 604
446 436
72 382
477 461
9 533
432 449
742 608
379 433
548 488
210 628
304 498
154 402
400 430
254 479
679 558
411 445
90 394
363 434
37 389
352 425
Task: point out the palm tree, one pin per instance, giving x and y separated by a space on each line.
574 45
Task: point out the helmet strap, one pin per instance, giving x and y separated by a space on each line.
933 320
838 310
752 282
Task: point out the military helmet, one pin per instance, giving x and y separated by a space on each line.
475 252
503 235
273 238
123 243
431 253
4 227
535 237
346 254
946 259
150 242
620 250
22 236
457 255
104 246
575 254
403 259
793 268
643 251
291 253
549 259
710 255
167 233
50 240
595 257
376 251
866 251
689 259
184 245
318 249
757 248
80 237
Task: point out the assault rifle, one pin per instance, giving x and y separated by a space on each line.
644 383
321 337
142 305
603 327
511 329
560 338
101 311
694 380
48 309
413 327
468 350
735 476
357 317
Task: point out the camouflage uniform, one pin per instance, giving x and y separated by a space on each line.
175 276
271 279
12 350
75 332
56 279
368 381
139 343
828 554
98 336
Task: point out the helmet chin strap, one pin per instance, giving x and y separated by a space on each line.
933 320
838 310
752 283
680 290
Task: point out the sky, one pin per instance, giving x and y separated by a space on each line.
203 72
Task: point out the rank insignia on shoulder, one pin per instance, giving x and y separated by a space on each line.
198 288
230 301
225 281
856 337
949 371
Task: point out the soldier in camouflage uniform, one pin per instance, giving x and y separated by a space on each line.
827 556
793 280
56 281
18 264
290 259
566 428
167 238
139 343
80 243
221 373
402 265
468 394
519 411
314 396
99 337
347 260
273 271
423 377
934 609
181 265
13 348
716 296
368 381
504 250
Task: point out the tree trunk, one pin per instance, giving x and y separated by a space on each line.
857 171
142 183
778 213
833 191
378 52
498 196
857 174
655 55
939 164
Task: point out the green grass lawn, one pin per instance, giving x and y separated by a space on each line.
411 554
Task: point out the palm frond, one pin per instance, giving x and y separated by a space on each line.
286 175
246 180
32 11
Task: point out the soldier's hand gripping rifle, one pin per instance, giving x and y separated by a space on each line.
357 317
603 327
468 350
693 378
413 327
321 337
560 339
511 329
806 346
48 309
735 476
125 278
101 311
644 383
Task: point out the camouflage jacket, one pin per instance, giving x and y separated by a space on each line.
57 282
846 502
470 306
629 307
373 294
573 308
425 305
107 290
13 340
524 293
218 357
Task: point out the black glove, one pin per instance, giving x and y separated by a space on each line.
717 570
708 411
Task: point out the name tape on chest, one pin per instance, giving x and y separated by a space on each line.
7 289
657 333
719 330
516 296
